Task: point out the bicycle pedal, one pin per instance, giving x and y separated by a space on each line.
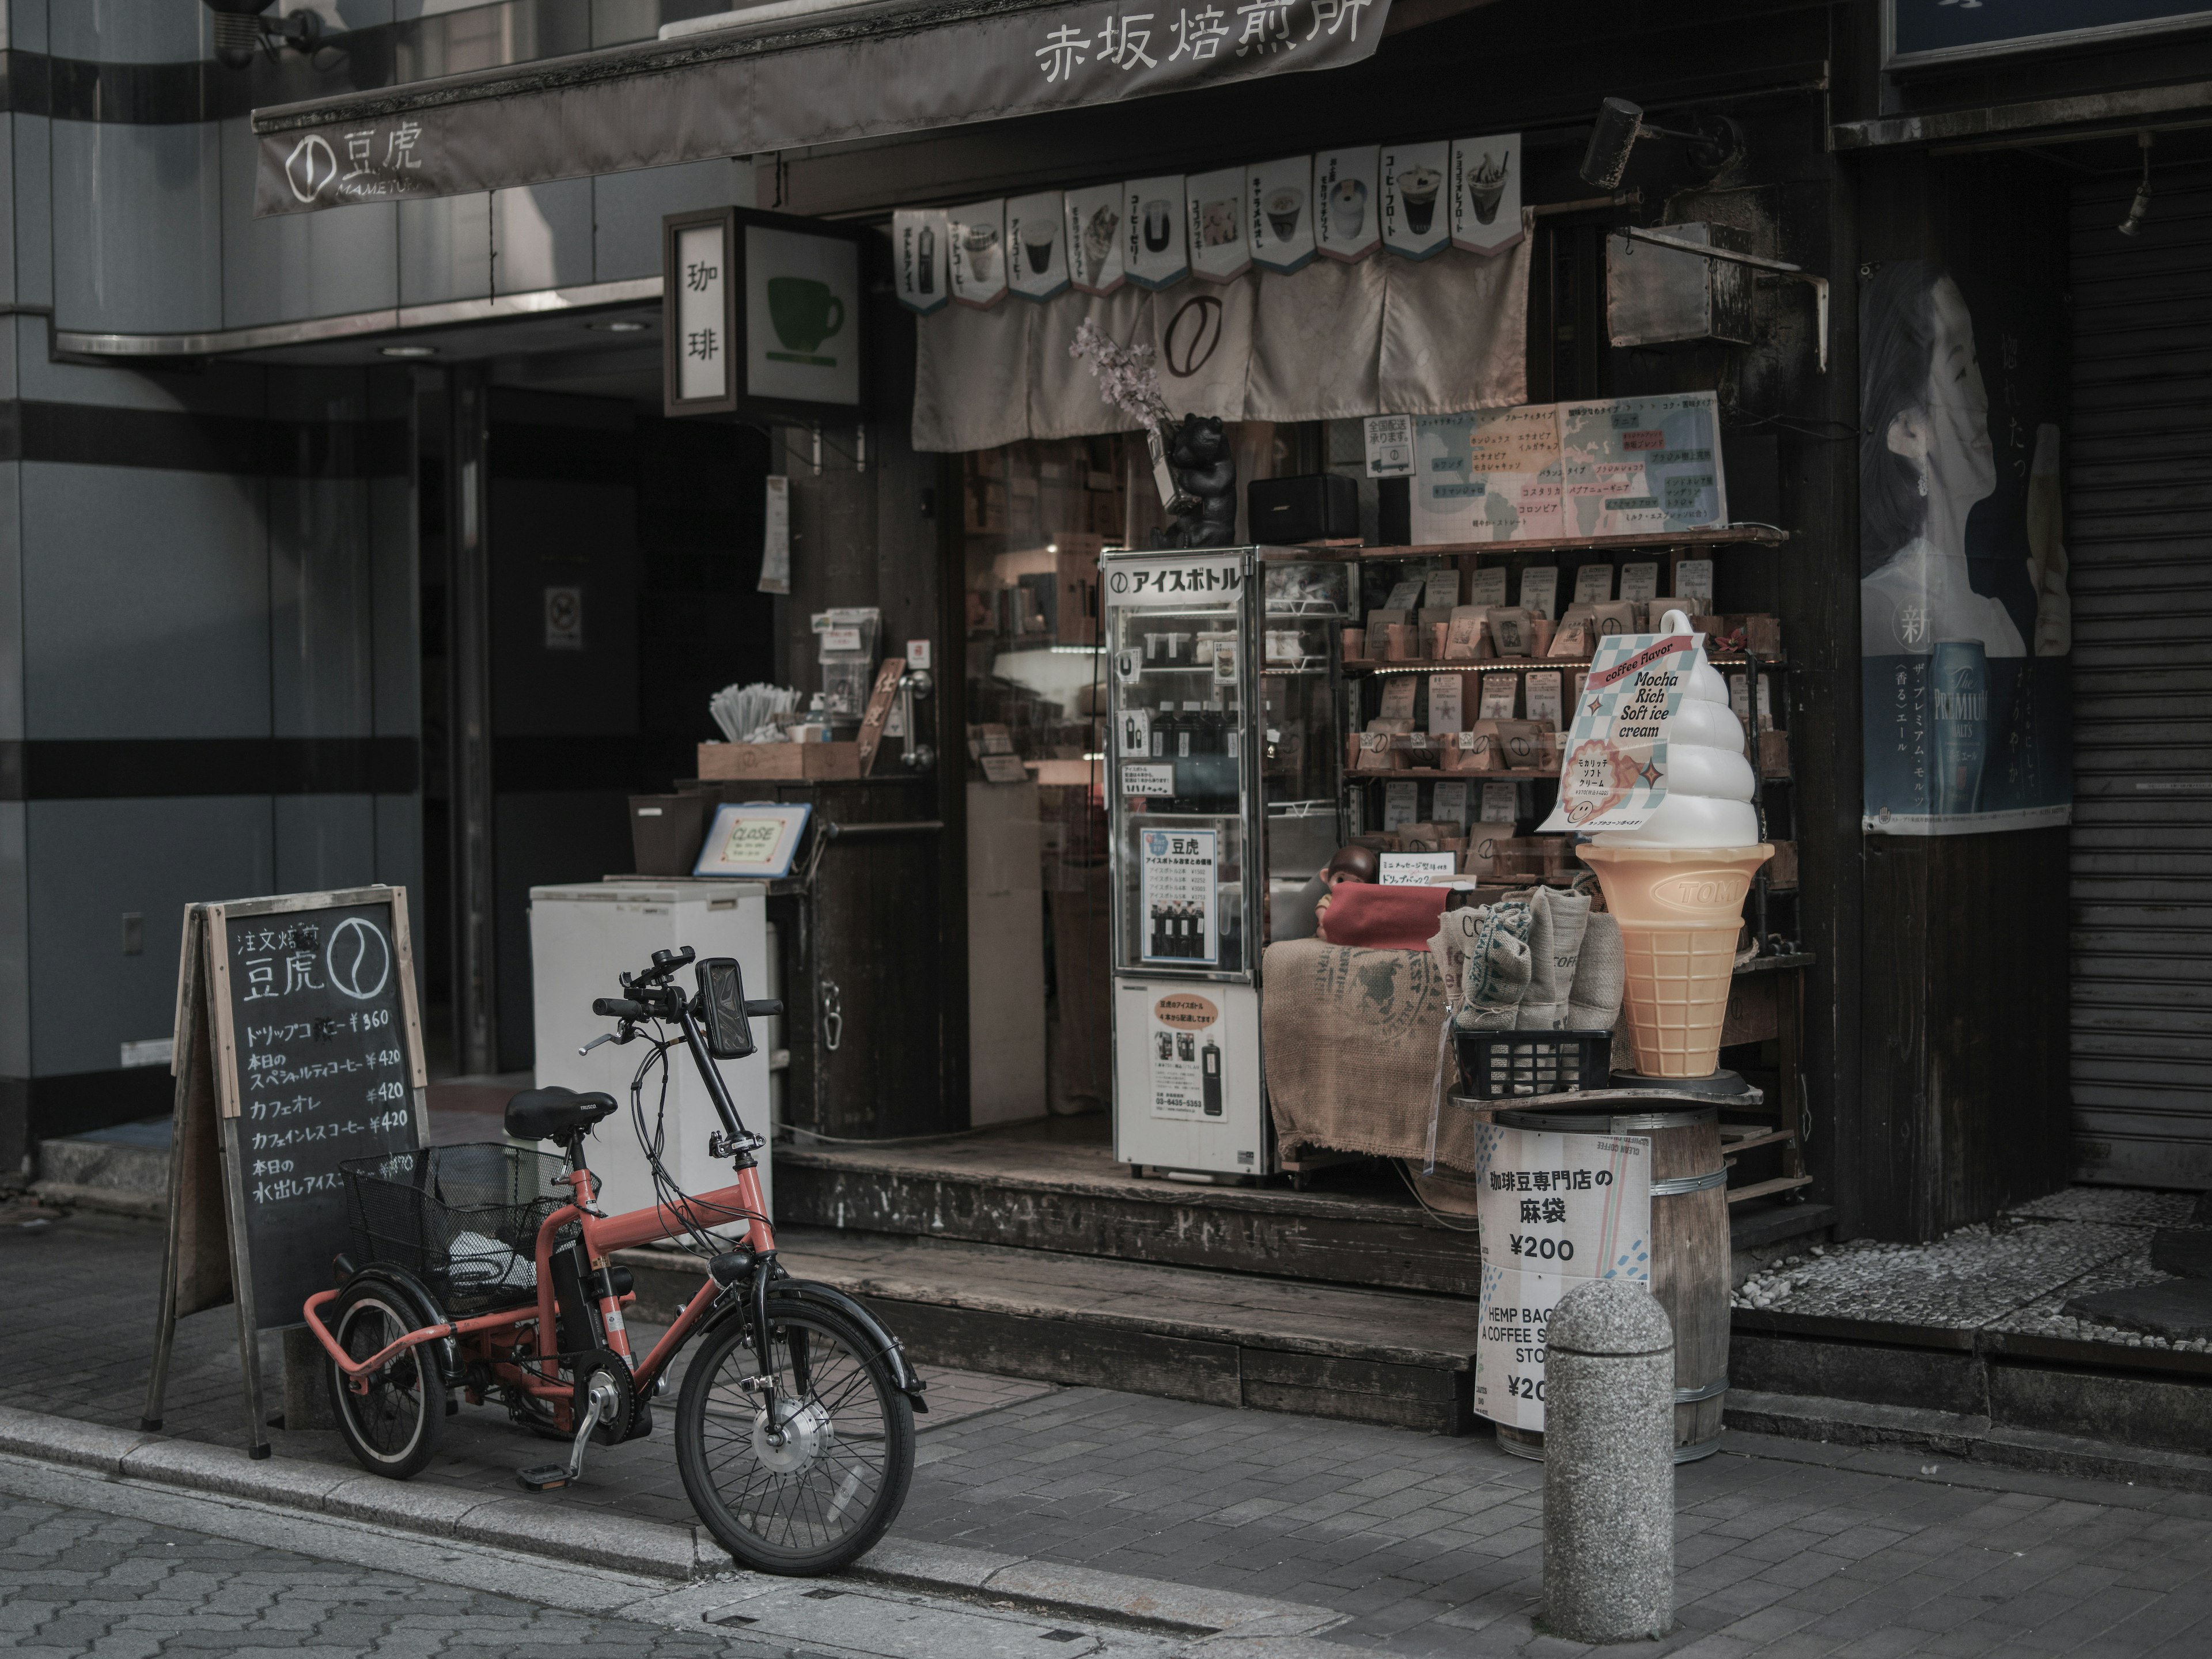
542 1477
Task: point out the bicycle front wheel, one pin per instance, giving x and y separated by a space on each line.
805 1484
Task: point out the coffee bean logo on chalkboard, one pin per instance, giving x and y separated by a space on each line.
358 958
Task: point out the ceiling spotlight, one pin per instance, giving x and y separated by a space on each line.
409 351
2139 209
1717 142
619 325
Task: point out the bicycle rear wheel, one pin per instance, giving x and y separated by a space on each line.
392 1429
810 1488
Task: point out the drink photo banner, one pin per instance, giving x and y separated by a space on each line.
1348 217
979 250
748 88
1218 247
1094 238
919 236
1416 216
1486 193
1279 217
1155 249
1333 341
1036 255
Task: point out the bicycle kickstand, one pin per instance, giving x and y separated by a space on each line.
549 1477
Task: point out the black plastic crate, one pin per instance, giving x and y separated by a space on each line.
1508 1064
463 1220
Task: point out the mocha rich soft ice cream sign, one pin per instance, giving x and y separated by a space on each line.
1412 201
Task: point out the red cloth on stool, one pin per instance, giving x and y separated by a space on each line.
1383 918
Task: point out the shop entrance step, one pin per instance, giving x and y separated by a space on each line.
1992 1343
1020 1188
1224 1339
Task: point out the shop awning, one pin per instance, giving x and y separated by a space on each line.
791 73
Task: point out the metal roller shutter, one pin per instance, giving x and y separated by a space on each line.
2139 489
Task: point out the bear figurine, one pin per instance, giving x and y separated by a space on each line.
1207 472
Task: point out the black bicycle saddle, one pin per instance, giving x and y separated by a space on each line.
555 1114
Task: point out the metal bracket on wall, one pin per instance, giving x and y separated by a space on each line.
1756 262
833 1016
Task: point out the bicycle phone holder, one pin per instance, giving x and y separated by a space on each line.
723 1009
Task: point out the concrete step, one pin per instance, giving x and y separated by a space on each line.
1964 1436
1186 1333
1367 1231
1358 1226
2024 1391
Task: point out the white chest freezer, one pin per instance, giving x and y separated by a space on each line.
580 937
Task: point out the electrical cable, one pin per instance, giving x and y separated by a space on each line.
1444 1220
668 1195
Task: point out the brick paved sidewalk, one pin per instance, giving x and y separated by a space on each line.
1431 1545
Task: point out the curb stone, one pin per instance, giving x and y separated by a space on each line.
1259 1628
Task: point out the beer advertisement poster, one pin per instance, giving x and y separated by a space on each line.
1965 622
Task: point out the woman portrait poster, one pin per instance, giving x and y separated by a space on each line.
1963 625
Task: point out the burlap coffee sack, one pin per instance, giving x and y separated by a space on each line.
1495 943
1350 1051
1601 978
1555 940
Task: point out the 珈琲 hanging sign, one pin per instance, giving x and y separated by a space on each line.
747 88
1410 200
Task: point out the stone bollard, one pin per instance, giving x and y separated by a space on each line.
1608 1465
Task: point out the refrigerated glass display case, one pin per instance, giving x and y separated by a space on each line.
1226 760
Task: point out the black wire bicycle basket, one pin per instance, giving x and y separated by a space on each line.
463 1220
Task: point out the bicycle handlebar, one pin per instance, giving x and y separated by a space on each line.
618 1008
765 1010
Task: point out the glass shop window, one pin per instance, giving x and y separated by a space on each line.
1037 516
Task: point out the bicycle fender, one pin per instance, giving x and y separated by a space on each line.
414 1292
904 1376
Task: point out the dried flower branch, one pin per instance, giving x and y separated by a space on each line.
1126 376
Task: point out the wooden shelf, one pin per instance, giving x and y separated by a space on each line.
1754 535
1509 665
1763 1189
1410 773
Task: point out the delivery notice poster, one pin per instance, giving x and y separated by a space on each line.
1613 768
1177 895
1555 1211
1186 1038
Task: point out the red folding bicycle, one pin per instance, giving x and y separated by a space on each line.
794 1426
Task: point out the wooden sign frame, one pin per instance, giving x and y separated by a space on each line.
206 1260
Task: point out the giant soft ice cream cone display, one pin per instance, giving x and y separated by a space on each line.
1680 910
1675 873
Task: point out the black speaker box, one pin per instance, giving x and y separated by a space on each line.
1321 507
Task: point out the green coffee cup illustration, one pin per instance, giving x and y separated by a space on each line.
804 312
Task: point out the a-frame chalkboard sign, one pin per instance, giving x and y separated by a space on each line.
298 1044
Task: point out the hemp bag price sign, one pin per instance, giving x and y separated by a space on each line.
299 1045
761 313
1554 1210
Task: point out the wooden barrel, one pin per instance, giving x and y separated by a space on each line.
1689 1253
